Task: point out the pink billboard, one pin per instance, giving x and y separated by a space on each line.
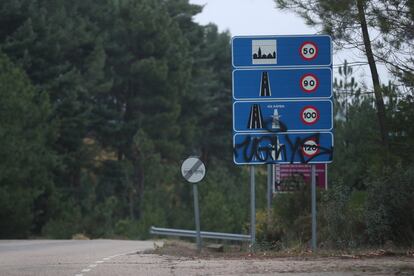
288 177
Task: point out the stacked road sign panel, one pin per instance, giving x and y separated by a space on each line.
282 99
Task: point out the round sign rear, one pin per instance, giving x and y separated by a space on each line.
193 170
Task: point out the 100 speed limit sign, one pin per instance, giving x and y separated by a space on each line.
309 115
308 50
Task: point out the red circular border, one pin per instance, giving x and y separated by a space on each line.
317 117
314 45
317 83
310 155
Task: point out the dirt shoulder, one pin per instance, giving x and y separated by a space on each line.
183 259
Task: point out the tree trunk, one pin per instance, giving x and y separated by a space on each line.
379 101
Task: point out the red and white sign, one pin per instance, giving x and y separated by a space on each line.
309 83
310 148
309 115
285 172
308 50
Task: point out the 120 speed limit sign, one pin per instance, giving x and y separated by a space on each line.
308 50
310 148
309 115
309 83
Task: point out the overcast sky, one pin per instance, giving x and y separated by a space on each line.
250 17
260 17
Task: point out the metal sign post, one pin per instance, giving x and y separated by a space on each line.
269 190
193 170
313 208
197 216
252 209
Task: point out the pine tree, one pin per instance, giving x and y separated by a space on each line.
350 22
27 161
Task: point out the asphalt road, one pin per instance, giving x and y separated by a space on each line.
126 258
65 257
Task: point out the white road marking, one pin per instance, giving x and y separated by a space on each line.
101 262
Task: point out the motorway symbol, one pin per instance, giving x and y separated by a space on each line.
193 169
310 148
309 83
310 115
308 50
265 86
255 118
302 83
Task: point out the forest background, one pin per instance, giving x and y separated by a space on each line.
102 100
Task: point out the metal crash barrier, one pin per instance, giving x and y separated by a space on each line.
192 234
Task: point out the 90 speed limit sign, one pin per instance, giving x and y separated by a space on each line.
309 115
309 83
310 148
308 50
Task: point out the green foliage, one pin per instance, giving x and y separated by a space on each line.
290 221
16 215
224 200
341 217
68 223
389 206
26 159
292 216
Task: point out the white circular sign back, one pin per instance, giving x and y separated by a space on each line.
193 170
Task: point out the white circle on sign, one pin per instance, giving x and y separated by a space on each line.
310 148
193 169
309 83
308 50
309 115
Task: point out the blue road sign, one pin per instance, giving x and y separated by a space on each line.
265 84
281 51
282 99
282 116
283 148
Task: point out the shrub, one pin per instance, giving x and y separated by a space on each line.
389 208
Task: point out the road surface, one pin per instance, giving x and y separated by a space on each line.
64 257
115 257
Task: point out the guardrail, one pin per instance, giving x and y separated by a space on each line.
192 234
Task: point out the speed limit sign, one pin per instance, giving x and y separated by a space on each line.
309 115
309 83
308 50
310 148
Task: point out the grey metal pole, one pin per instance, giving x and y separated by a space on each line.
197 217
313 176
252 208
269 189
